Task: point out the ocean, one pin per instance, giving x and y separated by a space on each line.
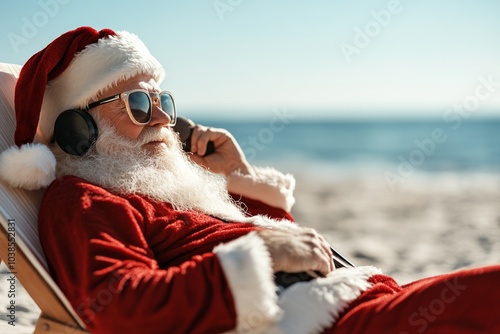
398 146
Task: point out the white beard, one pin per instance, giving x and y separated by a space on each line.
166 175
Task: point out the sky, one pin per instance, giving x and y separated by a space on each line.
343 58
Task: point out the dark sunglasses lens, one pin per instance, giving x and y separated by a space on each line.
140 106
167 105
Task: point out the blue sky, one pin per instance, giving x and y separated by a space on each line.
346 58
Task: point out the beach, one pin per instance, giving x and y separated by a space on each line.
430 225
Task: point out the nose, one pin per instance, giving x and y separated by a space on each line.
158 117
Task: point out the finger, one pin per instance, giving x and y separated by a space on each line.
324 247
203 142
327 249
329 258
313 273
322 262
195 137
323 253
193 140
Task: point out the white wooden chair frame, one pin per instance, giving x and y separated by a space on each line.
18 229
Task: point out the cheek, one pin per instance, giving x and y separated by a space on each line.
125 128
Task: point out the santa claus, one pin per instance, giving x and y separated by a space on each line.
144 238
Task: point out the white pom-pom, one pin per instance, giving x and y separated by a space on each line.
32 166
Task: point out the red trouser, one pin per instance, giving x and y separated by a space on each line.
466 301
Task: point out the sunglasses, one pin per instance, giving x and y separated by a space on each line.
140 106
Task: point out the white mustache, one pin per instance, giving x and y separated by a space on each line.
157 134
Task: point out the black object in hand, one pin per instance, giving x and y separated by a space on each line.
184 127
283 279
339 260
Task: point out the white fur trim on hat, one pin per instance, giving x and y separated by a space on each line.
97 67
32 166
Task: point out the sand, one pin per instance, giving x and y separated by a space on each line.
427 226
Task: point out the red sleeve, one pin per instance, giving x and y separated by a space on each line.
97 251
255 207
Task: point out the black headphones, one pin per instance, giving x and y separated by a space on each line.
75 131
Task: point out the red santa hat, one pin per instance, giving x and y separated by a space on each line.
68 74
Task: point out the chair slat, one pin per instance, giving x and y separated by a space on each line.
21 207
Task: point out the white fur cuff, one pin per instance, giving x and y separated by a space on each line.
268 186
248 269
311 307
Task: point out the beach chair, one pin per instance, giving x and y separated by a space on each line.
20 248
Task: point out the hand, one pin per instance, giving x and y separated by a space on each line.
228 156
298 250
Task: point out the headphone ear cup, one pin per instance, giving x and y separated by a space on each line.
75 131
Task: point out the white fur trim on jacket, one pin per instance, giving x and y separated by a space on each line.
268 186
311 307
263 221
248 268
97 67
303 308
32 166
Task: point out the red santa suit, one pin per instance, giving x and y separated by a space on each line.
132 265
